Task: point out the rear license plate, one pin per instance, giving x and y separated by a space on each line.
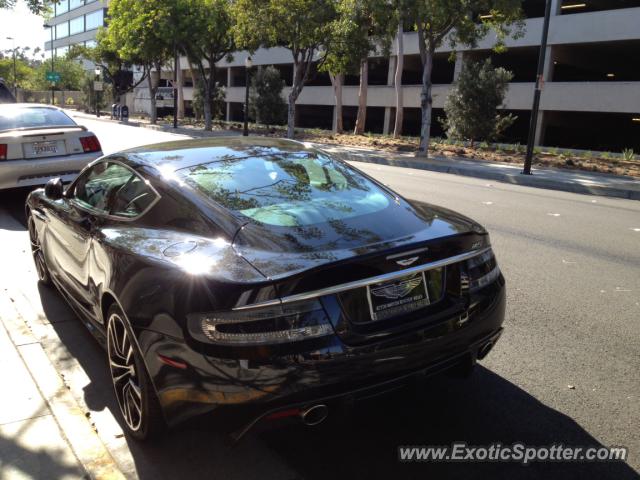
44 148
397 297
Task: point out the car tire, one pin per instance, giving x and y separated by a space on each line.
36 251
135 394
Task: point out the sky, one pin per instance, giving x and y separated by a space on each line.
22 25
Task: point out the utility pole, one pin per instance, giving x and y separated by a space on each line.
248 63
536 94
176 62
50 27
15 77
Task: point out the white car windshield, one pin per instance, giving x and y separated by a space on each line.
13 117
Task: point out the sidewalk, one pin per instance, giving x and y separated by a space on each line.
44 433
575 181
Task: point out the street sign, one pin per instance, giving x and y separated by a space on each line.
98 86
53 77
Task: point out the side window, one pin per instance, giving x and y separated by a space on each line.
98 186
133 198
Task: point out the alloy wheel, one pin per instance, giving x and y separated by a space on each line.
124 374
36 251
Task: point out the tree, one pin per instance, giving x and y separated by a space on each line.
71 74
266 103
36 6
473 102
361 27
115 69
459 22
205 35
304 27
142 33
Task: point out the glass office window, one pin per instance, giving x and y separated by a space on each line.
62 7
61 51
76 25
62 30
94 20
75 4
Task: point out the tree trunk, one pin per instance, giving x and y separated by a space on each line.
153 114
206 108
180 78
337 81
397 129
426 103
362 98
194 86
291 113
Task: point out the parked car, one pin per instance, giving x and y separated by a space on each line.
261 277
5 93
40 142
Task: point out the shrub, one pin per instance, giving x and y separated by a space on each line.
266 104
606 155
628 155
472 104
69 101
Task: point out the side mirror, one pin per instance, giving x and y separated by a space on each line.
53 190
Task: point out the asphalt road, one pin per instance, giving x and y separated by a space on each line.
565 371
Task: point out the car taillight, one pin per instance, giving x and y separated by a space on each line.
262 326
3 151
90 144
482 270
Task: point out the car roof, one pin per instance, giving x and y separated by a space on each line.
180 154
30 105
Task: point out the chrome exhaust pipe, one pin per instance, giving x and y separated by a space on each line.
484 350
314 415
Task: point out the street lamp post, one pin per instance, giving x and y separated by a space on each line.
536 94
15 77
248 63
50 27
96 92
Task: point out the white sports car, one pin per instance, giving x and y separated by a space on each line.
40 142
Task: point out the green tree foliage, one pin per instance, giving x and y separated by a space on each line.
217 104
70 70
266 104
141 32
304 27
360 27
36 6
457 22
113 67
473 102
205 34
24 72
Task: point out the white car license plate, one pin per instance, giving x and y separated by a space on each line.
44 148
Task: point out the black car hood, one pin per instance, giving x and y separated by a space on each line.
278 252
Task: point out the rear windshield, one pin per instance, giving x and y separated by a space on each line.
292 189
32 117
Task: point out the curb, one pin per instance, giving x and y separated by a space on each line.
480 172
71 419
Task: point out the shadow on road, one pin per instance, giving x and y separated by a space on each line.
484 409
13 202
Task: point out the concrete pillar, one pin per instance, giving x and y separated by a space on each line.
334 120
228 113
460 58
391 74
540 129
229 77
386 126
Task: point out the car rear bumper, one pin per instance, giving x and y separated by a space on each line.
25 173
198 384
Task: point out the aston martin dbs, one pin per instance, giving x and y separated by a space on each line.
261 277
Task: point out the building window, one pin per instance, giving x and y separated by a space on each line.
62 7
94 20
76 25
62 30
61 51
75 4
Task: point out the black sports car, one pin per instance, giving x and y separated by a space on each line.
261 277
